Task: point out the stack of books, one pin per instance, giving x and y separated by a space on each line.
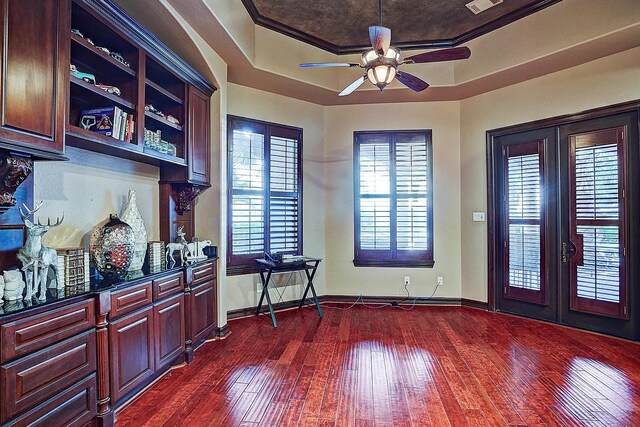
110 121
71 267
156 254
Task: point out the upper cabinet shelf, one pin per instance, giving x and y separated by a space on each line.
86 50
126 69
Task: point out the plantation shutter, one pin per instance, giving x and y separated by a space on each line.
375 199
597 223
412 192
247 199
265 189
393 199
284 201
525 223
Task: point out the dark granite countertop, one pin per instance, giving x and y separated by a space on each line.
97 283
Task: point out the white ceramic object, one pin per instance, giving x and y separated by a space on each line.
131 215
1 289
13 285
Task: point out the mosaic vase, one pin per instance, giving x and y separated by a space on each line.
112 246
131 215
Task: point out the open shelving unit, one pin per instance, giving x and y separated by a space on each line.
144 82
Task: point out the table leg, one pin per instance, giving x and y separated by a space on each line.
264 289
265 293
310 277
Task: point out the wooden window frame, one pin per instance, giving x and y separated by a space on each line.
245 264
393 257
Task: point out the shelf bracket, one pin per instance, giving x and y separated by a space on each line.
186 194
14 170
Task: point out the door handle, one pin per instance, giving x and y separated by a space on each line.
574 247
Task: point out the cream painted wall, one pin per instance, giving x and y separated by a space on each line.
340 123
88 188
606 81
256 104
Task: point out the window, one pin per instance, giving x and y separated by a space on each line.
393 199
265 192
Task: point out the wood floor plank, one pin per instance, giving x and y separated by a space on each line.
431 366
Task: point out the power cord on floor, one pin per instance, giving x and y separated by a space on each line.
394 304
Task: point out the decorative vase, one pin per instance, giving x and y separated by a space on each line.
112 247
131 215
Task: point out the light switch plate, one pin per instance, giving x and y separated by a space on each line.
478 216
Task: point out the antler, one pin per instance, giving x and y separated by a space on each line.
25 216
58 222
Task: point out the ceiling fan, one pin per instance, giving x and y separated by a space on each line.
381 62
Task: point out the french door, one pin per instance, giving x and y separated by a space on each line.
563 200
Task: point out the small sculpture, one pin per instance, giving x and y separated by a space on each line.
35 257
195 249
180 245
13 285
131 215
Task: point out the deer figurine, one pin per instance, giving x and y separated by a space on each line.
179 245
35 257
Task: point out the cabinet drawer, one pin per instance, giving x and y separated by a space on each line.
33 333
33 379
204 272
75 406
167 286
129 299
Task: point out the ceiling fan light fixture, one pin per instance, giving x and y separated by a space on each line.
381 75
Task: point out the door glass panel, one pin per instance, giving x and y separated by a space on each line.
597 284
524 223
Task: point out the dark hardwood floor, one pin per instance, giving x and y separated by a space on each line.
435 366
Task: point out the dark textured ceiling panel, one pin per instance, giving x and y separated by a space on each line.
341 26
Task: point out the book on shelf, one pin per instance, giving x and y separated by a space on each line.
73 266
156 253
109 121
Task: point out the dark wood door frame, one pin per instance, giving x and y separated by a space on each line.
492 154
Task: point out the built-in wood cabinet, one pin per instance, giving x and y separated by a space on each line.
170 333
131 351
48 365
34 59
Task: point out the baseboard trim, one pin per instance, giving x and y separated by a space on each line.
223 332
465 302
350 299
391 299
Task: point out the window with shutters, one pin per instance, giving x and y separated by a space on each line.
265 192
393 199
524 248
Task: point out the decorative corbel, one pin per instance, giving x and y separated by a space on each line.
186 194
14 170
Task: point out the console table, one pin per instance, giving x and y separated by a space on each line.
306 264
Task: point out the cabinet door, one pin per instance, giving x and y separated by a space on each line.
35 62
131 351
203 315
199 137
169 322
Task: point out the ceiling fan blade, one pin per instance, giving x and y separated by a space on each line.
411 81
328 64
380 38
353 86
440 55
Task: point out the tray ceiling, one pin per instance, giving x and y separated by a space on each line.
341 26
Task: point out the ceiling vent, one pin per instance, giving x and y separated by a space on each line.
477 6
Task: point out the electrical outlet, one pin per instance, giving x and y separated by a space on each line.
440 281
407 280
